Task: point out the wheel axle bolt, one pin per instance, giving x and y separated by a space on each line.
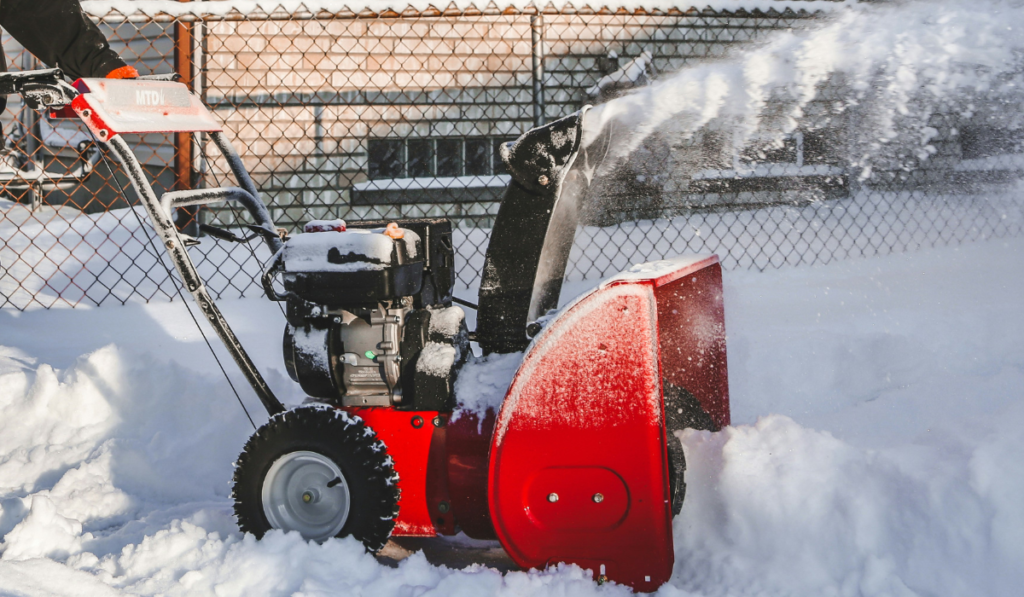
552 497
598 498
307 497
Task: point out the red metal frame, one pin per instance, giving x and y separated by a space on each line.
691 328
574 467
578 459
416 444
578 463
469 440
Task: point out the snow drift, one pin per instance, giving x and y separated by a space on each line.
879 72
893 464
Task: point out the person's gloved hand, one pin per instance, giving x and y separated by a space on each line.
124 72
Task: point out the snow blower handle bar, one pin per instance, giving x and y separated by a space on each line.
44 88
111 108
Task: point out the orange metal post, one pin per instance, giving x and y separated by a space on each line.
183 157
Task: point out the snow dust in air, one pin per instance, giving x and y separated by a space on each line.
874 73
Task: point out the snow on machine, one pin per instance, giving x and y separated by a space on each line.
579 465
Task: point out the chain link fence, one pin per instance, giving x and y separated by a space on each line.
364 115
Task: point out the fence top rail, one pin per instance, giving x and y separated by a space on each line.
257 10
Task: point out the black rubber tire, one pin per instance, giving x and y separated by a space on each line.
344 439
676 473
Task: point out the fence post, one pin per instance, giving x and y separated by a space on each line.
188 220
537 51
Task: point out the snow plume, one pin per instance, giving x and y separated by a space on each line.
878 72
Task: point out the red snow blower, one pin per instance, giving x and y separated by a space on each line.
579 465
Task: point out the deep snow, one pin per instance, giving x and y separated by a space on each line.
875 451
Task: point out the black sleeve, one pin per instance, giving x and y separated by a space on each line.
59 34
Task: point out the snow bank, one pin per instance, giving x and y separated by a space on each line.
893 464
804 513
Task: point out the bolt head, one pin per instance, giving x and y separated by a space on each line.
598 498
552 497
543 180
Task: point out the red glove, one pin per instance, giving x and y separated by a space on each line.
124 72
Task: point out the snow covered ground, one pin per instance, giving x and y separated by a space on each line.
876 448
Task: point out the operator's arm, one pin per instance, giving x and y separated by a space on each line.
58 33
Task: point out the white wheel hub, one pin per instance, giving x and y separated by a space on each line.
306 492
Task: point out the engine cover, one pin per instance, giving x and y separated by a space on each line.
354 266
406 358
370 319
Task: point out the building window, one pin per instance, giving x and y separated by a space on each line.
478 157
449 157
430 158
386 160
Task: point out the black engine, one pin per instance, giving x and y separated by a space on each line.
370 314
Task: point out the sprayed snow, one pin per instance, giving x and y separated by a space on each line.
897 64
447 321
436 359
770 171
631 73
483 383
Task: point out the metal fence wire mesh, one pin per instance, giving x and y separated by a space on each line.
364 115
